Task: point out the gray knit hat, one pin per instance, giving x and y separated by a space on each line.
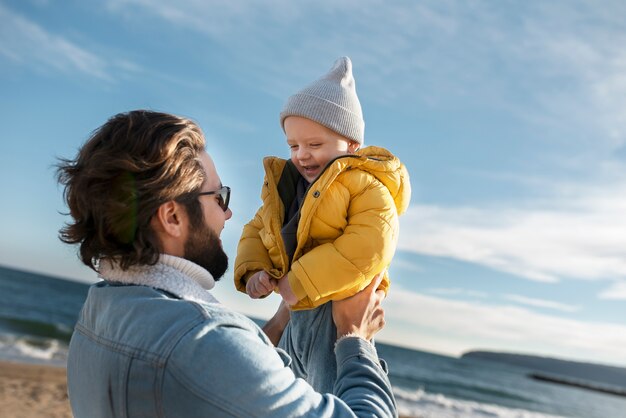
330 101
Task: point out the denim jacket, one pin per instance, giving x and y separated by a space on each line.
152 342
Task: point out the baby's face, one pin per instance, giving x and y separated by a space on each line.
313 145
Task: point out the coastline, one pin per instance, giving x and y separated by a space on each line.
33 390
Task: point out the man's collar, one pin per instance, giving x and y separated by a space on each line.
175 275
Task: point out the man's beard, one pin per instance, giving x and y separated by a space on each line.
204 248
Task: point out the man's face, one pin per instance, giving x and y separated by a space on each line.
214 215
203 245
313 145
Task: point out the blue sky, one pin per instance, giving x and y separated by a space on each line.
510 117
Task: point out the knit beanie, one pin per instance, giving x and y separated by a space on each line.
330 101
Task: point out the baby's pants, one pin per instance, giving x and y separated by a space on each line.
309 339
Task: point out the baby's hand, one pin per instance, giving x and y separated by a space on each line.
260 284
284 288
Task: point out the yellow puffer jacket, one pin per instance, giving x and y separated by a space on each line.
347 232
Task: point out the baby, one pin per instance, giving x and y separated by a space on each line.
329 219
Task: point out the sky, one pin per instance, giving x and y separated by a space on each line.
509 116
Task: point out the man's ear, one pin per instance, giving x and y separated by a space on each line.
170 220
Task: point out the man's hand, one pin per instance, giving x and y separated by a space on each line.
361 314
260 284
275 326
284 288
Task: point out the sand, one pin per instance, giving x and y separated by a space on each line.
32 390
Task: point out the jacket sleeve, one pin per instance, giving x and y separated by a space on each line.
236 374
252 255
341 268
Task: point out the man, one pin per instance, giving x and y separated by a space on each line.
148 208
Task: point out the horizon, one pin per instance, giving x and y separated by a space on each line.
390 343
510 118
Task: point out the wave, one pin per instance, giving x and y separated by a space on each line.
31 349
459 386
33 341
420 404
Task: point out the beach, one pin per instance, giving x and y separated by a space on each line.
33 390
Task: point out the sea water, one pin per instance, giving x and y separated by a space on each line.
37 315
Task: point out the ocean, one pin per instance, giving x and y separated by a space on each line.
37 314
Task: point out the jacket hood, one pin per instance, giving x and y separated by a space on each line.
388 169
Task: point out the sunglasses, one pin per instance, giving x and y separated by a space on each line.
223 196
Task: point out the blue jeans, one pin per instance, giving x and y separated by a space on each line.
309 339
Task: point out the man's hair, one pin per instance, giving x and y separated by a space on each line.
129 167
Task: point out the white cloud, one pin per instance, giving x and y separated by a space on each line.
592 68
217 17
617 291
401 264
453 326
569 74
542 303
25 42
589 54
456 291
254 36
580 237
